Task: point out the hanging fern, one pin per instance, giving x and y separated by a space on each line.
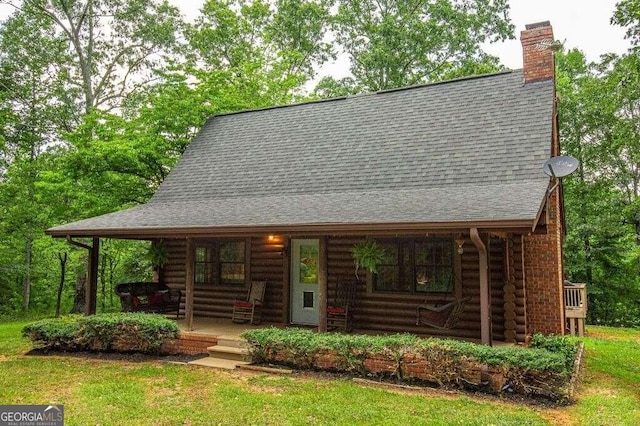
158 254
368 254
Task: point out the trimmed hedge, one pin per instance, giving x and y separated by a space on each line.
123 332
541 370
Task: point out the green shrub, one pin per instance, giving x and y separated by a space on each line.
541 370
60 333
562 345
126 332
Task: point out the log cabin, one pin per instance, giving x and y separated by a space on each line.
447 177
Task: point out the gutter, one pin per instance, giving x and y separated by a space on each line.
523 225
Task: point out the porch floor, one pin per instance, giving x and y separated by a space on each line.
223 328
220 327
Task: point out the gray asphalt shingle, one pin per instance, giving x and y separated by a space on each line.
464 150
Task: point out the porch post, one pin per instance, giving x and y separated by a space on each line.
188 285
322 284
92 278
485 309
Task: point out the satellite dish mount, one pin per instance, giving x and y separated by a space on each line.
559 167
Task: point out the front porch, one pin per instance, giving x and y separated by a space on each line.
212 330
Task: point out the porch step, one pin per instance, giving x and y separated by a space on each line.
228 352
233 342
225 364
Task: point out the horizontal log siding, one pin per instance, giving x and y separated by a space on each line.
496 282
267 265
217 302
173 271
397 312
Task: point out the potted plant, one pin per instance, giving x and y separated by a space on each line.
368 254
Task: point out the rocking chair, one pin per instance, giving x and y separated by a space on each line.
251 308
338 313
443 315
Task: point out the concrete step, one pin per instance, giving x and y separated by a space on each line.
234 342
226 364
228 352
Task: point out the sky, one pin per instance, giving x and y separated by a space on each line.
576 23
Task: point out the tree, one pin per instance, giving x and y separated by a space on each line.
268 50
627 15
112 45
34 108
394 43
599 248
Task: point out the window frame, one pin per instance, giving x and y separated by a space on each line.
402 269
213 263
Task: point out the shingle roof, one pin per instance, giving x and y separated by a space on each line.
458 151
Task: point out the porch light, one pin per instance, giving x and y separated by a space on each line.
271 238
459 243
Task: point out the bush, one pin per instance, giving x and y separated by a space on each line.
544 369
60 333
561 345
125 332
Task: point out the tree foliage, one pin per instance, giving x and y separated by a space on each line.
393 43
596 122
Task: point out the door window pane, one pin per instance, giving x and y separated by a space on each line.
308 264
307 299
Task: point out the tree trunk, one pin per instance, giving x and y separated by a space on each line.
26 278
63 269
79 298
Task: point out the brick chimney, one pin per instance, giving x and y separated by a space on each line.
537 56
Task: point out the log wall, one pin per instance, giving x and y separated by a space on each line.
373 311
217 301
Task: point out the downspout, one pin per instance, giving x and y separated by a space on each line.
485 311
77 244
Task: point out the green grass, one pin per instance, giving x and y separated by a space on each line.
106 392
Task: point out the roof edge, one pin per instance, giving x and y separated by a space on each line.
379 92
312 228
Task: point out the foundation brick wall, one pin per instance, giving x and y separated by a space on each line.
189 344
543 274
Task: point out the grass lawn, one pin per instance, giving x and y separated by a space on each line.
108 392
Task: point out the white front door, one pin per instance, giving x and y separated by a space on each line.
304 281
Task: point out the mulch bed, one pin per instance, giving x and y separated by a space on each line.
117 356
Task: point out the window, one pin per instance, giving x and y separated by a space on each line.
220 263
416 266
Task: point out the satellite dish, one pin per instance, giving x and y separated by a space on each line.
560 166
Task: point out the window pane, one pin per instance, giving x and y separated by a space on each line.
390 254
434 279
201 254
307 299
308 264
232 251
232 273
387 278
200 273
422 253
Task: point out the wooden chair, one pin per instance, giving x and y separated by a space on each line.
442 315
339 313
251 308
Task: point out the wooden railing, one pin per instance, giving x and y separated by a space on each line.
575 307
